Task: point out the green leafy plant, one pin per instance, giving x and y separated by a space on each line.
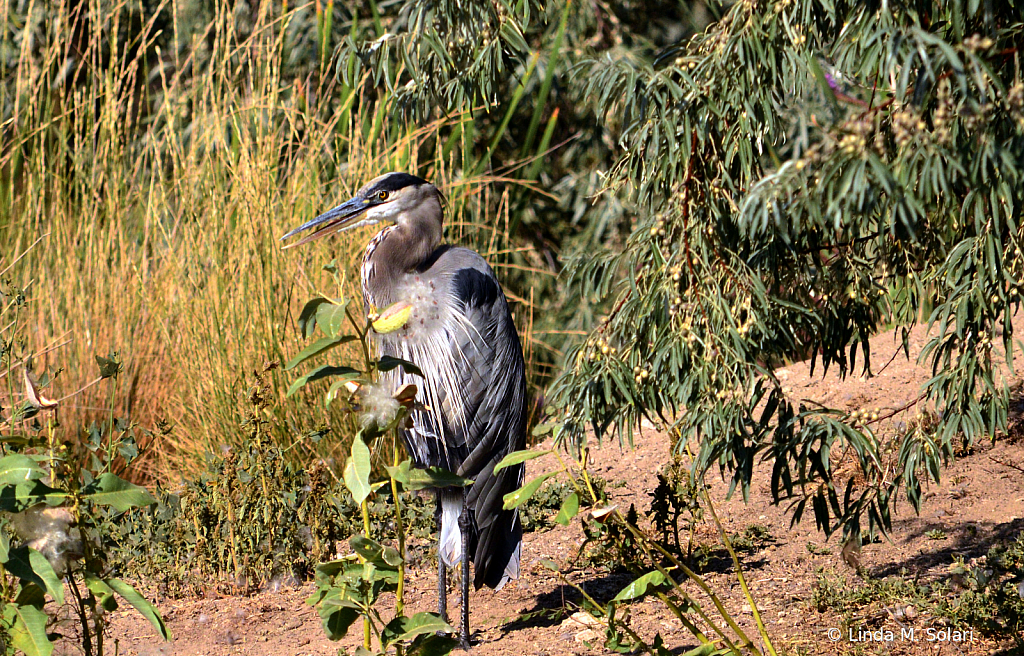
654 567
59 510
349 588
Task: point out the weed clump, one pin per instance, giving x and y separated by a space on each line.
253 520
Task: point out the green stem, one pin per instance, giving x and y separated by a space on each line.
366 533
362 331
400 528
739 574
632 634
110 425
644 542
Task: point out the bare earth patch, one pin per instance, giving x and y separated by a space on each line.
979 502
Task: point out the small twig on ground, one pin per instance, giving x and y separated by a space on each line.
1007 464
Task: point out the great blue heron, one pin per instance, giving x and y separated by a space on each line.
461 336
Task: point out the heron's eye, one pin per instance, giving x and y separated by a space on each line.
382 195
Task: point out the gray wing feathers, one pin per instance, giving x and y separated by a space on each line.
475 389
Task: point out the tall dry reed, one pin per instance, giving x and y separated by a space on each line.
159 185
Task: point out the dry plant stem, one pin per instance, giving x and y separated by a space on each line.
739 573
82 615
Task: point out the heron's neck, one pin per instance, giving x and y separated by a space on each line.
391 255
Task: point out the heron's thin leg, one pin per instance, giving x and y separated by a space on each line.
464 525
442 570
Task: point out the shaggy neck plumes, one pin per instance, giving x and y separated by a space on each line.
394 252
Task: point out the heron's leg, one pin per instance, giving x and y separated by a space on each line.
442 570
464 526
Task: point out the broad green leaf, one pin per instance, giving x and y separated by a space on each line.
570 508
331 318
323 371
407 628
517 457
706 649
141 604
514 499
16 498
42 567
19 468
112 490
29 565
357 471
338 621
104 593
432 645
375 553
29 631
316 348
387 363
400 472
435 477
307 318
638 588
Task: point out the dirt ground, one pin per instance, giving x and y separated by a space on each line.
980 501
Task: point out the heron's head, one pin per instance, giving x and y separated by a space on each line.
392 197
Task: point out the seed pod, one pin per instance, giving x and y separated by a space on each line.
393 318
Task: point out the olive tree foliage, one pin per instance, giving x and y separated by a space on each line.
811 172
448 55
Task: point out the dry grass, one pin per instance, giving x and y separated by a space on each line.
159 192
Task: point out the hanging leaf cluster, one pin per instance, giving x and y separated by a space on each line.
813 172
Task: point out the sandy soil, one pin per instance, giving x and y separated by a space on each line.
980 501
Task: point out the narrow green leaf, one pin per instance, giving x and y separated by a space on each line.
307 318
112 490
706 649
570 508
104 593
141 604
514 499
19 468
357 471
29 631
316 348
435 477
16 498
30 565
638 588
517 457
387 363
323 371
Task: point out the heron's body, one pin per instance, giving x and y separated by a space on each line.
460 334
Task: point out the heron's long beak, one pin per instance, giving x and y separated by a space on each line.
342 217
